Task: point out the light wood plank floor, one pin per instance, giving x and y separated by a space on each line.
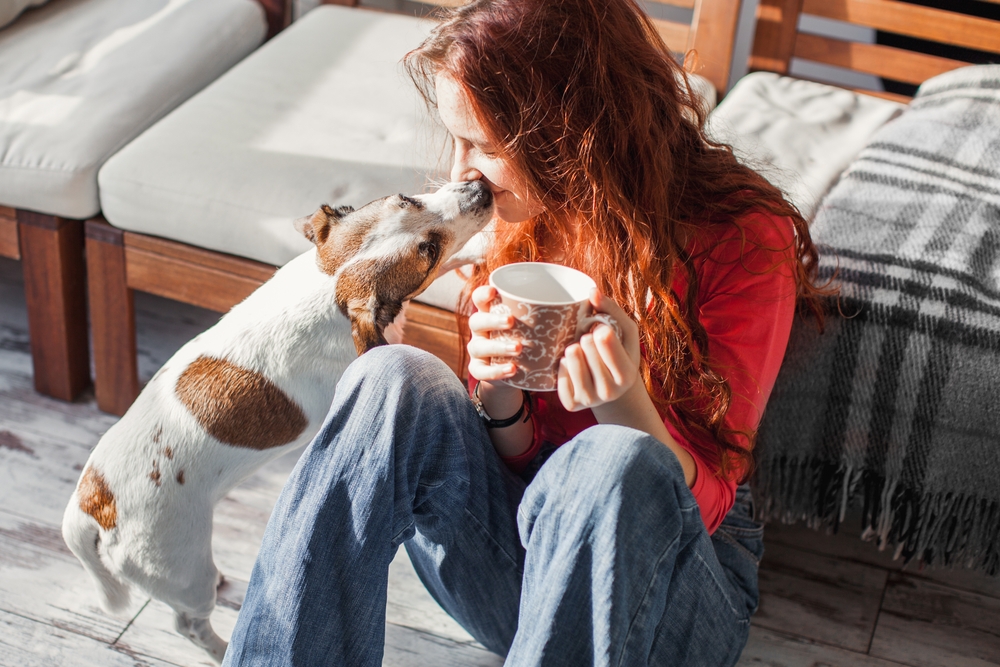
828 600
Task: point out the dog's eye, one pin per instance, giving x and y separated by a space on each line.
431 249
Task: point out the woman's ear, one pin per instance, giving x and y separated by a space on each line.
316 227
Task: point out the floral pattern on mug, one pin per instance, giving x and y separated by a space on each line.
544 333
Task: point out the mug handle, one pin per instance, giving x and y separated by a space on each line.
587 323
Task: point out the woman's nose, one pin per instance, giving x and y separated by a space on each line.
462 169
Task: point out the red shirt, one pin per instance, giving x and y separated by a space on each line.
746 308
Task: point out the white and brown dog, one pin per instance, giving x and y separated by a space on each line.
256 385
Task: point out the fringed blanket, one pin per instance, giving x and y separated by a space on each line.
896 406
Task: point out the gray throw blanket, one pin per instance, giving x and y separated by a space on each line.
896 405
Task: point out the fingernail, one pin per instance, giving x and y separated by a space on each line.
514 348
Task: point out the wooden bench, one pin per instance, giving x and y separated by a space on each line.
778 38
48 238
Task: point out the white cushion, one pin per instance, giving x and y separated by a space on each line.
323 113
9 9
81 78
799 134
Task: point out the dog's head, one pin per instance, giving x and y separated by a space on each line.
391 249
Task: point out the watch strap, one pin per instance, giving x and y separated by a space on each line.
524 411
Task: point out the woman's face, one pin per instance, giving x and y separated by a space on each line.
476 157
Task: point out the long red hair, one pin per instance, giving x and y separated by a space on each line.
588 105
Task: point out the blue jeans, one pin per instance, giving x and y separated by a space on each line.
601 559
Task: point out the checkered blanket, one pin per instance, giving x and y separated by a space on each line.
896 405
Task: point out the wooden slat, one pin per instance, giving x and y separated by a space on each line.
713 36
28 643
436 331
774 40
411 606
881 94
674 35
37 419
38 476
278 14
877 59
847 544
431 316
8 233
927 625
211 259
196 284
912 20
112 318
767 648
152 633
819 598
687 4
55 288
41 580
439 3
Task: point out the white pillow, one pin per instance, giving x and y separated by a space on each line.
798 134
10 9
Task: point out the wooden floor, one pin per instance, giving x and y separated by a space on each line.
827 600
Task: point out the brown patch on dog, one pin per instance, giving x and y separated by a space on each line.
348 237
346 244
371 292
97 500
239 406
168 452
156 436
155 475
180 477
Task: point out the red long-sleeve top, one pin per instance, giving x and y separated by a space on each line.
745 302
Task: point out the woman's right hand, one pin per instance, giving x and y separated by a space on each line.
482 349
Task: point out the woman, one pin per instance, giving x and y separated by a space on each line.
604 524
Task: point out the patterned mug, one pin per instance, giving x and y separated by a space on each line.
551 308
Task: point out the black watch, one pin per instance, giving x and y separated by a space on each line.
523 411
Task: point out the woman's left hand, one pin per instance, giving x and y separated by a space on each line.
600 368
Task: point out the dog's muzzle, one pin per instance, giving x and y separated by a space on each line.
476 197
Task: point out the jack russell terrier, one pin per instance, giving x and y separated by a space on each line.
254 386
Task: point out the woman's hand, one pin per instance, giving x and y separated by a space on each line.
500 399
600 368
482 349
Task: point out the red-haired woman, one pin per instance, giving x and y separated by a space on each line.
603 525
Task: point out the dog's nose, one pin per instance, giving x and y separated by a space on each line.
476 197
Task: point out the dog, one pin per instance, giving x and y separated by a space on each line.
254 386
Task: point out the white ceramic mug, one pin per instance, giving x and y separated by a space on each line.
551 308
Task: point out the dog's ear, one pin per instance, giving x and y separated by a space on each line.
316 227
371 292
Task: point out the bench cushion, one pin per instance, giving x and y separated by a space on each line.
799 134
323 113
81 78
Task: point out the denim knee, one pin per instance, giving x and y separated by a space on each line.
605 467
401 371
